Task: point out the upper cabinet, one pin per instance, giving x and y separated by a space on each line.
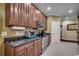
16 14
23 14
32 16
10 14
41 17
44 19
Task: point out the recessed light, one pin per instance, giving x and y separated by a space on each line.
67 18
48 8
70 11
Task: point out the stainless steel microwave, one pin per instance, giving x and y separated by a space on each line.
40 25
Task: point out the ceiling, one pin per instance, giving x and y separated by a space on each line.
58 9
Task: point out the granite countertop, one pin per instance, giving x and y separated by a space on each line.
15 43
21 42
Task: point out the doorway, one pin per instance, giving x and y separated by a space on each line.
55 31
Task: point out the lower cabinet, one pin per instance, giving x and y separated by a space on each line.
37 47
30 49
21 53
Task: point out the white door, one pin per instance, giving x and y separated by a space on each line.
55 31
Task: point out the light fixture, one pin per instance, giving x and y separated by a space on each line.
17 28
70 11
67 18
48 8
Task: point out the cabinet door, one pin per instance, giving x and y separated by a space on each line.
19 14
11 14
26 14
21 22
20 50
44 19
32 16
8 17
30 51
37 47
21 53
9 51
41 19
14 14
23 14
15 21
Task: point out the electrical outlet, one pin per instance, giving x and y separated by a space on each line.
3 33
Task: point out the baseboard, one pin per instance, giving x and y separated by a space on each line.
69 41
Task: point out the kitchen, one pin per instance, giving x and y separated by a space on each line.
25 30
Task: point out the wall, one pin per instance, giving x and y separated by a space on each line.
69 35
2 16
3 28
49 20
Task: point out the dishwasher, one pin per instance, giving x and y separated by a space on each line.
45 43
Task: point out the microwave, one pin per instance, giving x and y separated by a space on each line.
40 25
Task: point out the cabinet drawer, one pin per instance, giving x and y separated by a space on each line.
36 41
28 44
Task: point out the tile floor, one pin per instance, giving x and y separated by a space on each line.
62 49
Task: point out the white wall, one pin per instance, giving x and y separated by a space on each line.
69 35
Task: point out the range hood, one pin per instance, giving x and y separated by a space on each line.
17 28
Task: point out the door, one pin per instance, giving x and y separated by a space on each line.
55 31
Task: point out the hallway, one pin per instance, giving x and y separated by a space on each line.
62 49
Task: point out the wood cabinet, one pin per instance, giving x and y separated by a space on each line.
33 48
20 50
37 47
41 17
23 14
25 50
45 22
30 49
9 51
16 14
21 53
23 11
11 14
32 16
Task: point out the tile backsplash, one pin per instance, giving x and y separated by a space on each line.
20 33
